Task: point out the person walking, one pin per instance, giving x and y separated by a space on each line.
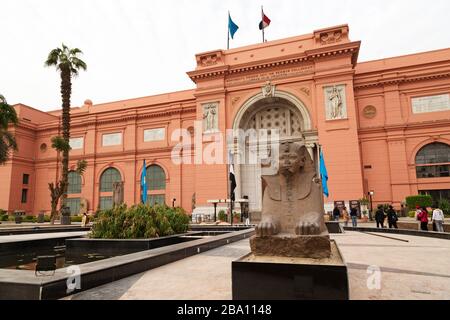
392 218
336 214
346 216
438 219
379 217
354 216
423 218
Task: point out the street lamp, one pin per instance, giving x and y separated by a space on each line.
371 193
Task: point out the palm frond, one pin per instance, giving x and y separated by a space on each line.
59 144
7 114
9 139
81 167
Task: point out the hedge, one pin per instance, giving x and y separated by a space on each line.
139 222
420 200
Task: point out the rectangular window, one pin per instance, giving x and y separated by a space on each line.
431 103
437 195
74 205
76 143
112 139
25 179
106 203
154 134
24 195
433 172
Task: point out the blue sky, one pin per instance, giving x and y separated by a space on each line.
137 48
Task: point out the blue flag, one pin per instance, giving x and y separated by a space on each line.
324 175
232 27
144 183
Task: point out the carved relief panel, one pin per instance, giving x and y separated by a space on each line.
210 117
335 102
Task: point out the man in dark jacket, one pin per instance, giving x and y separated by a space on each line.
379 217
354 215
392 218
336 213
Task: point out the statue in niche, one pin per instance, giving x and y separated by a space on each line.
335 103
292 221
118 193
210 118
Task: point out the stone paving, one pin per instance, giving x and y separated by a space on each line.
416 269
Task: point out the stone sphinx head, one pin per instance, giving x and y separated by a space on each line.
292 158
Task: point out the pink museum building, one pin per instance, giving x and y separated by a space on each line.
383 126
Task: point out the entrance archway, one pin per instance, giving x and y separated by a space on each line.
283 112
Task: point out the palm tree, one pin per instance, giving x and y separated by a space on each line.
68 64
7 141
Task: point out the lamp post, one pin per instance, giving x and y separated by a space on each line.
371 193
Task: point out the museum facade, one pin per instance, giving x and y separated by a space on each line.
383 126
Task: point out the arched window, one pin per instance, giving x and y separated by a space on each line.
433 161
107 179
74 186
156 185
109 176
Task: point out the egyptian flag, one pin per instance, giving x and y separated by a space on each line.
233 184
265 22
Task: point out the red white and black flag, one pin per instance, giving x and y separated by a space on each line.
265 22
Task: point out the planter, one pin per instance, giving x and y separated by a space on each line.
65 216
19 216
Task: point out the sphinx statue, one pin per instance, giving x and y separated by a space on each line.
292 219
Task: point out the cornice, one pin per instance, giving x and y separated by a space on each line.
359 84
80 122
306 56
416 125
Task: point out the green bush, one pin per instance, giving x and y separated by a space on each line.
29 219
139 222
412 214
420 200
4 217
76 218
222 216
237 216
444 205
3 212
11 218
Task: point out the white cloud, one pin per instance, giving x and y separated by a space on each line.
137 48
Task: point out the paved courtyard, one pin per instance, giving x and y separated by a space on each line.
411 268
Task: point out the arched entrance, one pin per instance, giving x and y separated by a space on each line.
260 116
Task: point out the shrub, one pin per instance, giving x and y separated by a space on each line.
75 218
237 216
3 212
444 205
222 216
29 219
420 200
412 214
4 217
139 222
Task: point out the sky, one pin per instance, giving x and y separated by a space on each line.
137 48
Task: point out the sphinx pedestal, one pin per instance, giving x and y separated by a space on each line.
283 278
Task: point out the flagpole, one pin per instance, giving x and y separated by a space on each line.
262 19
228 31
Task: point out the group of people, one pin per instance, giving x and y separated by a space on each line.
390 214
353 215
437 218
